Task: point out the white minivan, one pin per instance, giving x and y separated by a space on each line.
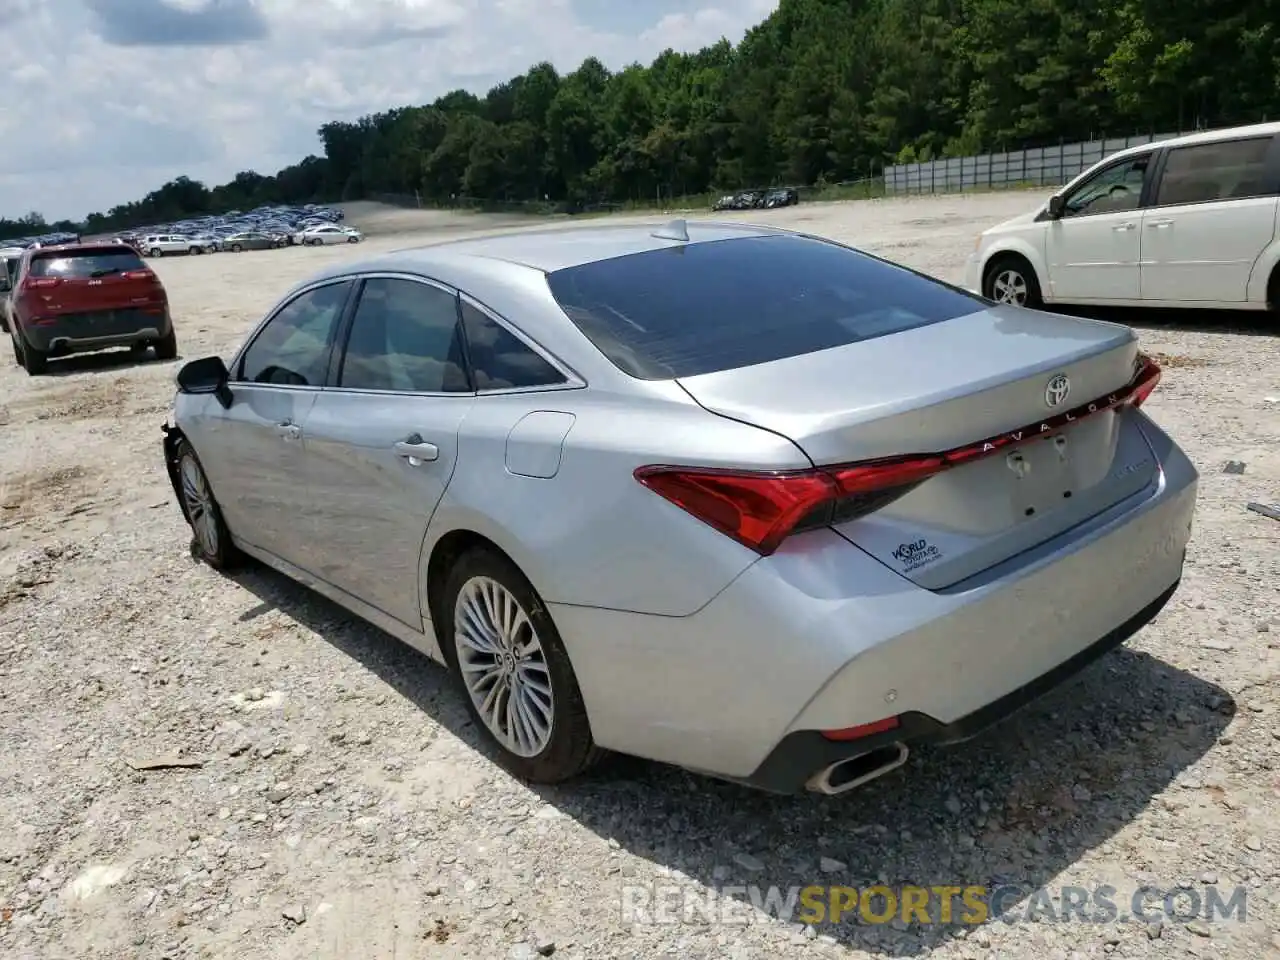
1186 222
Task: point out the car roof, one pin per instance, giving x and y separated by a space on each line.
545 250
1203 136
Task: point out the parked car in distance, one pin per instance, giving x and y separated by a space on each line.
1186 222
250 241
10 257
580 466
327 233
74 299
781 198
724 203
160 245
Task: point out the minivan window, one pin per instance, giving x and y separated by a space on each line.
704 307
1115 189
1226 170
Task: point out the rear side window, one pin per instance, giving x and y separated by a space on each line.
499 359
706 307
1229 170
76 264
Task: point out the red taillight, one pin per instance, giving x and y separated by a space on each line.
35 282
1145 381
862 730
761 509
138 275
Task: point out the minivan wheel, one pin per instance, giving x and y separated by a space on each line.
505 652
211 541
1010 279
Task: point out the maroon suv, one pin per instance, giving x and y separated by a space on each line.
81 297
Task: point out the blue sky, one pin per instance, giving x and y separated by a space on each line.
107 99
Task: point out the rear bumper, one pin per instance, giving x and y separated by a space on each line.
76 334
820 636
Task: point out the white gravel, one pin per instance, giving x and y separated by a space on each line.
342 808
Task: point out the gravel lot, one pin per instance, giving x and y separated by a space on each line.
342 806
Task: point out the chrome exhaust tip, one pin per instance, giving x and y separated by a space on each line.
845 775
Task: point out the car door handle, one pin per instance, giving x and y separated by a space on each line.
1159 224
1122 226
288 431
416 450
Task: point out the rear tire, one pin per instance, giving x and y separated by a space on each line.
167 346
1273 291
1010 279
528 663
210 540
34 361
155 252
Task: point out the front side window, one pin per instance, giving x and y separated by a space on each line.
1113 190
1228 170
293 348
405 337
499 359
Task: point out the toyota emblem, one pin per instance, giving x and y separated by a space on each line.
1057 390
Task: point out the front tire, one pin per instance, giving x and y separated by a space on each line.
211 540
506 654
236 248
1010 279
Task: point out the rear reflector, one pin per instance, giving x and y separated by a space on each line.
761 509
862 730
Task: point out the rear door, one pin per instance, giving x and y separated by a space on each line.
382 442
255 451
856 360
1212 215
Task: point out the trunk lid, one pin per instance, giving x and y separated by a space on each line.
936 388
91 280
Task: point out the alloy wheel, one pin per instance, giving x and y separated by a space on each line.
200 506
504 666
1009 286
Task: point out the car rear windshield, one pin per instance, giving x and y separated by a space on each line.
706 307
73 264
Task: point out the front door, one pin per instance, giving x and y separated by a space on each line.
1213 214
1094 250
382 444
256 449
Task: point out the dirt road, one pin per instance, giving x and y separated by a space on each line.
342 807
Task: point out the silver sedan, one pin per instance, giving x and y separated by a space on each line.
725 496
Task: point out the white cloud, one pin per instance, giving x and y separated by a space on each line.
107 100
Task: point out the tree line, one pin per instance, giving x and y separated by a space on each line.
822 90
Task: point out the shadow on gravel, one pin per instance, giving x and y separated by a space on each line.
105 361
1249 323
1013 808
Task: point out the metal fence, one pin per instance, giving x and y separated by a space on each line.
1042 167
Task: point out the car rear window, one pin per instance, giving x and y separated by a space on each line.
706 307
72 264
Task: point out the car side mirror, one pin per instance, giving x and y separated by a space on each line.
206 375
1057 206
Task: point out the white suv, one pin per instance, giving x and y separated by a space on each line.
160 244
1186 222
